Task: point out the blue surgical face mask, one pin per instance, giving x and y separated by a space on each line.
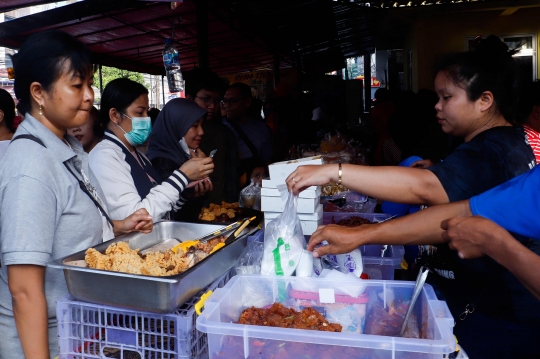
140 130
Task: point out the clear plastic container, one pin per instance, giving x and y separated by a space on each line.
379 267
338 216
94 331
226 339
172 67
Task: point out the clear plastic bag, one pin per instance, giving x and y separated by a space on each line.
283 239
250 260
250 197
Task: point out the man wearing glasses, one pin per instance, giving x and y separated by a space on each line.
205 88
254 141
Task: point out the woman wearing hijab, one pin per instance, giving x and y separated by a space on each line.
174 142
126 176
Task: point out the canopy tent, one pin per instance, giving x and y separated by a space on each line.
242 35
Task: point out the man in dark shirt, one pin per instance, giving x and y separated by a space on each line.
205 88
252 135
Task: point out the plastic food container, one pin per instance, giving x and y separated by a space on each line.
226 339
378 267
338 216
279 171
94 331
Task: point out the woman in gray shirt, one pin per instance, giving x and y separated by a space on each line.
50 202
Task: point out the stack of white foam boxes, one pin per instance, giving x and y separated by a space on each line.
310 211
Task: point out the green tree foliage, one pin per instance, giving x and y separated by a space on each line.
111 73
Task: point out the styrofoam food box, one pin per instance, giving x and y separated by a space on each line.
223 309
275 204
269 183
273 192
308 227
282 170
302 216
95 331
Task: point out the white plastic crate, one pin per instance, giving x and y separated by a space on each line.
88 331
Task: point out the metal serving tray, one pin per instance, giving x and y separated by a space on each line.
149 293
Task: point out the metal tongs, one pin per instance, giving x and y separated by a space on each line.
420 280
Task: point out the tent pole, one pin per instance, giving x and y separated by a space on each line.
100 82
163 88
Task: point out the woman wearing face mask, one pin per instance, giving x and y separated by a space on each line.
127 177
175 142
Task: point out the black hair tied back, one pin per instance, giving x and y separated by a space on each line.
489 67
41 59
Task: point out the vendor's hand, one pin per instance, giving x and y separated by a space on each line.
198 168
340 240
422 164
470 235
138 221
307 176
201 188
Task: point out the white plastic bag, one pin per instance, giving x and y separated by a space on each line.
283 239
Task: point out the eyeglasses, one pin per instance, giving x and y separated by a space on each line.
209 100
229 102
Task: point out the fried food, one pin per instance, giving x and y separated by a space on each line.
279 316
353 221
119 257
215 211
332 188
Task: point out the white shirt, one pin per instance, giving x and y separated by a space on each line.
108 163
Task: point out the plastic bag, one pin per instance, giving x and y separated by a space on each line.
250 260
283 239
250 197
346 263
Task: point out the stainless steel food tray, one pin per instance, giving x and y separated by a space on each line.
148 293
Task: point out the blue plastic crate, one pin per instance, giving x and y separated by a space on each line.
93 331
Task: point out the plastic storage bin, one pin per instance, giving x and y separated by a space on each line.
378 267
338 216
89 330
226 339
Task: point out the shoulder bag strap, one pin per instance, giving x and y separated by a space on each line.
81 183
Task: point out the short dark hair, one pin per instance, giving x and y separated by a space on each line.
530 97
490 67
96 128
245 90
119 94
202 79
41 58
153 113
7 105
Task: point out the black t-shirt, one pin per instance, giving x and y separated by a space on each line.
488 160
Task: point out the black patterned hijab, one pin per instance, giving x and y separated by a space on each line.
171 125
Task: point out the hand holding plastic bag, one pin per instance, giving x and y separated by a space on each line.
283 239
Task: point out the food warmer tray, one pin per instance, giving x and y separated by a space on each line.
150 293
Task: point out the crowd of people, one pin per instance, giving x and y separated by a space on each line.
123 167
